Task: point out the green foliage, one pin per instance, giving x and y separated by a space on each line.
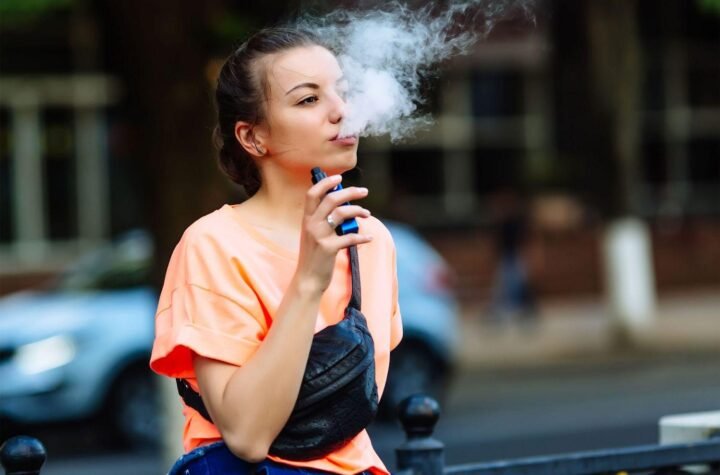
22 12
710 6
231 27
32 7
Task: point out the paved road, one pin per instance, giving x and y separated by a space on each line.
570 407
506 413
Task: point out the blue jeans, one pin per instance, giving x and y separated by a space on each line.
216 459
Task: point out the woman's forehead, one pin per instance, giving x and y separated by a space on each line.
304 64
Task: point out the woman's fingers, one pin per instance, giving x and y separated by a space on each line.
324 211
353 239
323 230
333 244
320 226
338 198
321 205
343 213
318 191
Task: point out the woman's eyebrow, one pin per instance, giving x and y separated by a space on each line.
311 85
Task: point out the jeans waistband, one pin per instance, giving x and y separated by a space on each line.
216 459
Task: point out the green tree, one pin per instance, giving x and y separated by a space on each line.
710 6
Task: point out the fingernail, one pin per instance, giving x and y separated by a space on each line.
363 190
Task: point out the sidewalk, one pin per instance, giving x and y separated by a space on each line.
686 322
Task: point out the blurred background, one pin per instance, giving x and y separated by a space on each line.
562 213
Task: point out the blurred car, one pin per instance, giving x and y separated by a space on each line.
426 356
79 350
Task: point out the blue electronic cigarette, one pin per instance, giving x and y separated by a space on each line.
347 226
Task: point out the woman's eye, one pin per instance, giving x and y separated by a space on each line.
308 100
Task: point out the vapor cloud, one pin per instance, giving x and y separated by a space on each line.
386 53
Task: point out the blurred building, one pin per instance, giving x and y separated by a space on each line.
55 165
509 116
515 115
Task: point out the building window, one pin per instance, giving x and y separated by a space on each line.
654 162
497 93
418 171
704 161
59 174
497 168
53 168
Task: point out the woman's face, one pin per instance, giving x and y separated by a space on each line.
305 109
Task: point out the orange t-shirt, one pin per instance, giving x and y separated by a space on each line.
223 285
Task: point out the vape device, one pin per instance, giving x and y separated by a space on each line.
347 226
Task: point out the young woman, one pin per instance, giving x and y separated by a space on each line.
249 285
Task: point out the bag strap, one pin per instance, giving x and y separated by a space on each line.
355 298
193 399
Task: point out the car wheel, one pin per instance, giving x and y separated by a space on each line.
133 410
413 369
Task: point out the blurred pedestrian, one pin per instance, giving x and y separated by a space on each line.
512 296
250 285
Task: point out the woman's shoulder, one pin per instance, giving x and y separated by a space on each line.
211 232
205 250
215 224
377 229
206 224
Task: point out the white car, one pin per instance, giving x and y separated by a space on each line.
80 349
426 356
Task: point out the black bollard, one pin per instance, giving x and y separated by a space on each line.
22 455
420 454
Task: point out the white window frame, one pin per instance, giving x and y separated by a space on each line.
88 96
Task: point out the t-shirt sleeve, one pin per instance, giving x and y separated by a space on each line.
206 307
396 329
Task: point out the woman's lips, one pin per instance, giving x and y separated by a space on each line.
349 140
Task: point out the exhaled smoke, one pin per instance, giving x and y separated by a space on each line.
386 53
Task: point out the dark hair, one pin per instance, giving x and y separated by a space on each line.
241 95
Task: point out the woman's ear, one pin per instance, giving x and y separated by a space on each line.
250 139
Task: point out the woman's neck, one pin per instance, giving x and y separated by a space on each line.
279 204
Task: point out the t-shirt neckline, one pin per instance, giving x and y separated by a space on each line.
257 235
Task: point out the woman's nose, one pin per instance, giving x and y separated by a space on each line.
338 109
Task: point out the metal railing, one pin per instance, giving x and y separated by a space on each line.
421 454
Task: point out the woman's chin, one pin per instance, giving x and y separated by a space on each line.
341 164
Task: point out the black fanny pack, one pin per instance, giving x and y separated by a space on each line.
338 397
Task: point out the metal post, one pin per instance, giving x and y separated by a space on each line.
22 455
420 454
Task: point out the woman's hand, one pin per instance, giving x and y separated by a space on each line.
319 244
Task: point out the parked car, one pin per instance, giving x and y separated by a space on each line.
80 349
426 356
